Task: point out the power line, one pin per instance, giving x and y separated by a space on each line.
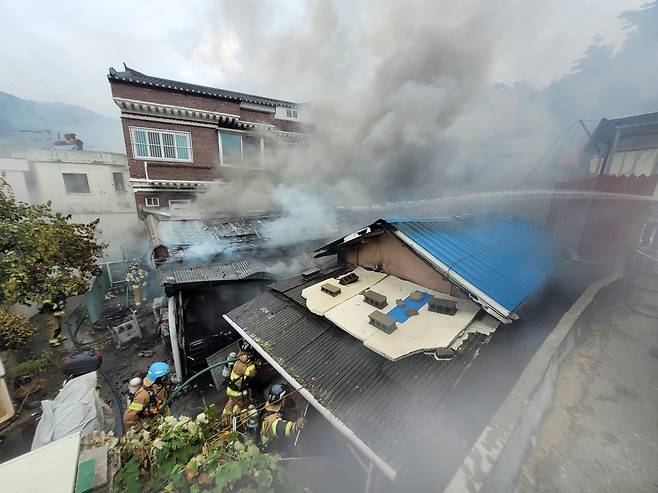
537 165
24 130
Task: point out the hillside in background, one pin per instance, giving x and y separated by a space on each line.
25 123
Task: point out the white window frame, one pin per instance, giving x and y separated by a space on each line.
161 131
187 203
154 202
261 157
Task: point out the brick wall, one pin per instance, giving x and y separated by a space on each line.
164 197
163 96
205 147
205 153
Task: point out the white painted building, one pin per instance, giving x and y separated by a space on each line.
85 184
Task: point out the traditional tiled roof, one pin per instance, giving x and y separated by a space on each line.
132 76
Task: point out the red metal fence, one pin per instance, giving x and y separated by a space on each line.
601 227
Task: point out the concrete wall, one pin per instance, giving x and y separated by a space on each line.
13 172
37 177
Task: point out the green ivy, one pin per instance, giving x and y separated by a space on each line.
196 455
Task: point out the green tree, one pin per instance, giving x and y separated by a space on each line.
42 252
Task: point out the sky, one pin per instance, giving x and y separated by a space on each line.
61 51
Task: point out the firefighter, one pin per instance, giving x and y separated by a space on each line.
147 401
136 279
240 382
53 308
275 430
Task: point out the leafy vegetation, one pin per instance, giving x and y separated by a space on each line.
41 253
195 455
33 367
15 331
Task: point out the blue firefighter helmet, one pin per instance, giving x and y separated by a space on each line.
156 370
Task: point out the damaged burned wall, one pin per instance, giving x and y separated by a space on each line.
385 253
203 308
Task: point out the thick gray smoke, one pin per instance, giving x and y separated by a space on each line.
402 101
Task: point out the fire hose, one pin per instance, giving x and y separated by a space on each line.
179 388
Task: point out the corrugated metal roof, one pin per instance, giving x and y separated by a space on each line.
504 258
237 270
390 406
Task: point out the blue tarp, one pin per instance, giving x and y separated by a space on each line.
398 313
505 258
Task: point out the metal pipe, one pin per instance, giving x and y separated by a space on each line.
335 422
365 465
611 153
173 339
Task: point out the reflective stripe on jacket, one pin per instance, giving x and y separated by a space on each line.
145 404
242 370
274 426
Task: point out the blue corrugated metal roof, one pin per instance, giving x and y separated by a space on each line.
504 258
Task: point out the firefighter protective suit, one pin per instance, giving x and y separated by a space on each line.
147 401
242 376
53 309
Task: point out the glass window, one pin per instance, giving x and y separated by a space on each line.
76 183
169 145
231 148
634 163
251 151
154 144
160 144
140 143
152 202
119 186
179 204
182 145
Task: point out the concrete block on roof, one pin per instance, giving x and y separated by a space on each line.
319 303
410 312
442 305
310 274
400 303
375 299
423 332
416 295
330 289
382 321
350 278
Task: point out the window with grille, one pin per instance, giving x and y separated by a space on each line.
164 145
152 202
240 150
76 183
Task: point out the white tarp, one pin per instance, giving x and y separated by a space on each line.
77 409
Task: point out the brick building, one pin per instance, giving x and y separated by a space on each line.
182 138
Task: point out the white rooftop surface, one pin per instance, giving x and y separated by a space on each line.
319 303
51 468
423 332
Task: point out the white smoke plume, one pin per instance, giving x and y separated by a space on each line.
402 97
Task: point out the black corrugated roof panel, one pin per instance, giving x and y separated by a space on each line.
390 406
